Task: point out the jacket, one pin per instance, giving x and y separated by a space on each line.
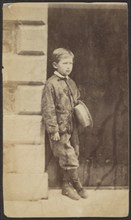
58 104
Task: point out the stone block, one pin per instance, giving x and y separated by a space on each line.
22 129
24 69
7 41
32 103
8 156
24 159
26 12
9 98
31 39
23 187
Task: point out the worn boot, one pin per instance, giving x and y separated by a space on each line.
67 188
77 184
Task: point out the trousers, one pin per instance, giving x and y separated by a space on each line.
67 150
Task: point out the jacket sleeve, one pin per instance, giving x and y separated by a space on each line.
74 90
48 109
78 94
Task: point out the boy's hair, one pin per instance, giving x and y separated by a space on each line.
61 53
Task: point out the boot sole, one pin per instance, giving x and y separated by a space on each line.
66 194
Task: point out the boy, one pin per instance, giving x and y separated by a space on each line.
59 97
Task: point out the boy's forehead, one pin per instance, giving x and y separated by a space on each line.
65 57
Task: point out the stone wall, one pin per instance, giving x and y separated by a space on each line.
24 75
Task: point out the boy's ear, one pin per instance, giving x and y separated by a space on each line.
54 65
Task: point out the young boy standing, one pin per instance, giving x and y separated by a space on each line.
59 97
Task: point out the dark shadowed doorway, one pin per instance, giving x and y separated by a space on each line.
98 38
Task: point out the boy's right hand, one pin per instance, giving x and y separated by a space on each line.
55 137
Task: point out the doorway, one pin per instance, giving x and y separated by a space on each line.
98 38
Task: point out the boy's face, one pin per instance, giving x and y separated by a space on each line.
64 66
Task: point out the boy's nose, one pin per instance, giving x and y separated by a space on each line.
68 68
69 65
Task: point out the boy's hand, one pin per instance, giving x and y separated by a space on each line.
55 137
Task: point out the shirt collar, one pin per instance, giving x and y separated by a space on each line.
61 76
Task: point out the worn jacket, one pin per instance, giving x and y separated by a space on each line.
58 100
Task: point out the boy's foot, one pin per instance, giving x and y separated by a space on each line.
73 173
68 190
83 193
80 190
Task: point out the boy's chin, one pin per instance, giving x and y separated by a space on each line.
66 74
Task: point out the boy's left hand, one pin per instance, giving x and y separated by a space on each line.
55 137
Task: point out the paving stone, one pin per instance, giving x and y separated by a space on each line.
100 203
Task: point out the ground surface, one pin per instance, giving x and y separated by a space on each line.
100 203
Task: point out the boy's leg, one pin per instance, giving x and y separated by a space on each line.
67 188
75 140
67 160
65 152
73 174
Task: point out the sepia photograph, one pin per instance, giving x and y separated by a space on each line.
65 82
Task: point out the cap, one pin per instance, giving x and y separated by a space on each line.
83 115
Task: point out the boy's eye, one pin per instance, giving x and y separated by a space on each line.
68 63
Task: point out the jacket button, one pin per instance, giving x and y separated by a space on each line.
108 161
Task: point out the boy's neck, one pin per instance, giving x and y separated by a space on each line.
60 75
